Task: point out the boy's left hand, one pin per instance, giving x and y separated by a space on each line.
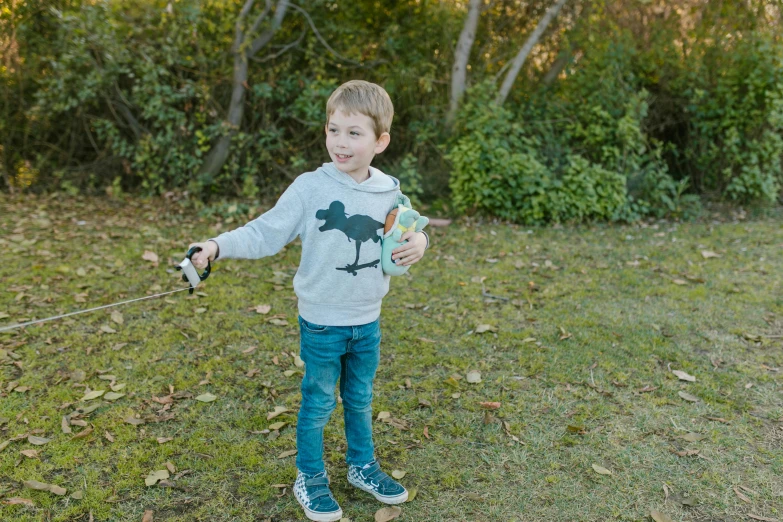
412 251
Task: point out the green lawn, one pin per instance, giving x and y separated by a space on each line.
579 353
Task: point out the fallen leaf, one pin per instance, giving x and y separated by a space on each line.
277 425
387 513
83 433
65 425
285 454
707 254
474 377
687 396
93 395
684 376
249 350
262 309
278 411
685 453
298 362
692 437
117 317
108 436
155 476
42 486
206 397
18 500
490 405
412 492
485 328
741 495
150 256
113 396
30 454
38 441
77 495
147 516
163 440
383 415
133 420
748 490
398 473
659 517
679 282
601 470
647 389
764 519
108 329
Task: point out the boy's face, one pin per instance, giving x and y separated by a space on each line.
352 143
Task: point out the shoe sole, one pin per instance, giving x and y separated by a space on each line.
334 516
399 499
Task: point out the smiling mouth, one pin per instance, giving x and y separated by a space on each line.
343 156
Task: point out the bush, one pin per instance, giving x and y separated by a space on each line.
607 170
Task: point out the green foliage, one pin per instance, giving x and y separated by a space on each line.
604 170
131 95
410 179
735 108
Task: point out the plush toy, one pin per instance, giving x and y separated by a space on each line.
400 220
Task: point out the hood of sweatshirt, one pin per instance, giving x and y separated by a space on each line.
377 182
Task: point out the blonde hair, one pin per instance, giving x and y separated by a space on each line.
359 96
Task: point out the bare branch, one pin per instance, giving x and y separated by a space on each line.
462 54
261 17
266 36
525 51
321 38
281 51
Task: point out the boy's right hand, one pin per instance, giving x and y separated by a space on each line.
207 253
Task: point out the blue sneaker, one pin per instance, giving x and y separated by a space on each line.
313 494
371 479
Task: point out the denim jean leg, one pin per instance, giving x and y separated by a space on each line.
320 351
356 379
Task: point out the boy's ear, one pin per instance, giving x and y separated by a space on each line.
382 142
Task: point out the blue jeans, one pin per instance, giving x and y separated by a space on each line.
352 354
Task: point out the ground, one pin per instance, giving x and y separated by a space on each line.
575 331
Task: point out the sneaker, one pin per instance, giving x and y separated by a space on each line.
313 494
371 479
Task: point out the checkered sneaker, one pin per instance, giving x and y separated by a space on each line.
313 494
371 479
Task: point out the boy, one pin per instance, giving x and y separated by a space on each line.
337 211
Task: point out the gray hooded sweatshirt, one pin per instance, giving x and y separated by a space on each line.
339 281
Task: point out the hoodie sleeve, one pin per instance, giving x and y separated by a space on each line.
267 234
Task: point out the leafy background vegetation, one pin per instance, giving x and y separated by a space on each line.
621 110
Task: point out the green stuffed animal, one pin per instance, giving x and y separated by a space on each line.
400 220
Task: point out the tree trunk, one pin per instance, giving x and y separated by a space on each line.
242 51
462 54
525 51
557 67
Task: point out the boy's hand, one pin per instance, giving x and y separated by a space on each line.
412 251
208 252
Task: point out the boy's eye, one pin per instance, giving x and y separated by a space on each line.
354 133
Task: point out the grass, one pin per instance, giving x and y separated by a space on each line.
591 318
